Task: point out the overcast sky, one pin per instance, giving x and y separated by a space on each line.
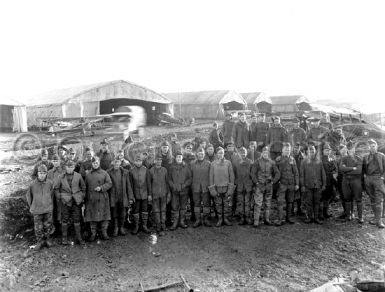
321 49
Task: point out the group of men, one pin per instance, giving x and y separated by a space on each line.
234 173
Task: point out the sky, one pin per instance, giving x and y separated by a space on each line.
320 49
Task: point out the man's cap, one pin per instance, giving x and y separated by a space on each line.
286 144
372 141
327 146
187 144
209 145
273 118
314 120
215 124
220 148
253 142
95 158
229 144
72 151
42 168
88 149
44 152
70 163
266 148
104 142
298 144
227 114
164 143
128 140
158 157
55 157
350 145
173 135
311 143
145 153
178 153
242 149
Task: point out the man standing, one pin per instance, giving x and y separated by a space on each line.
261 131
373 167
276 135
297 134
298 156
214 138
316 134
227 128
105 156
241 132
43 160
86 165
253 128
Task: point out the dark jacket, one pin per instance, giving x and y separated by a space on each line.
330 167
140 182
297 135
227 130
348 162
40 197
221 173
253 132
215 139
97 203
188 158
85 166
288 169
257 154
210 158
262 128
159 182
200 171
179 177
275 136
66 192
125 194
374 164
232 156
47 163
241 134
242 173
317 135
264 171
312 174
106 159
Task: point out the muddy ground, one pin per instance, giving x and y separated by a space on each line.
295 257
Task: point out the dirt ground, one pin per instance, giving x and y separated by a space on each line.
295 257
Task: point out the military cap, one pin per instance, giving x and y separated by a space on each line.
273 118
164 143
128 140
88 149
42 168
372 141
327 146
44 152
215 124
314 119
71 151
253 142
55 157
62 147
350 145
158 157
229 144
95 158
70 163
242 149
104 142
311 143
220 149
298 144
187 144
286 144
174 135
266 148
178 153
227 114
209 145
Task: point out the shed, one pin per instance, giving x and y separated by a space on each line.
13 116
251 99
283 104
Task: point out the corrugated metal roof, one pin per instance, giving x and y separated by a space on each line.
205 97
74 94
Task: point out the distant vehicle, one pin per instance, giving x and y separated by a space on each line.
168 119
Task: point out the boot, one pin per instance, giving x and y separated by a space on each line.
320 211
175 215
316 215
374 220
267 217
93 231
144 222
104 230
343 215
378 217
122 230
78 234
163 221
359 211
158 227
116 228
64 233
288 219
348 210
256 217
206 217
48 242
197 211
226 221
136 224
220 220
39 244
242 221
279 221
182 215
326 211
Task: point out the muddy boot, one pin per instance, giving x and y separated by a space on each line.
198 222
359 211
64 234
267 217
317 215
48 242
348 210
256 217
163 221
93 231
104 230
136 224
226 221
78 234
325 211
39 244
175 217
242 221
378 217
206 217
182 223
220 220
122 230
279 221
288 219
116 228
144 222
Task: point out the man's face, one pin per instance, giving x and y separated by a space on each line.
179 159
188 149
164 149
70 169
286 151
311 151
72 156
41 175
243 154
201 155
61 152
276 122
326 152
220 154
253 146
210 151
230 148
265 154
117 164
104 147
343 151
173 139
96 164
202 145
56 163
121 156
296 149
143 156
351 152
44 157
296 125
242 117
158 163
89 155
138 162
373 147
260 118
254 119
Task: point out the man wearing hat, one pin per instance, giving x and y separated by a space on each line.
106 157
336 138
40 201
227 128
43 160
62 152
316 134
264 174
373 167
221 186
175 145
351 168
166 153
297 134
214 138
120 195
72 156
330 166
160 194
179 180
261 131
70 189
86 164
230 153
276 135
253 128
97 201
252 153
210 153
342 152
241 132
299 157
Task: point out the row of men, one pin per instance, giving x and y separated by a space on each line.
107 194
241 133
